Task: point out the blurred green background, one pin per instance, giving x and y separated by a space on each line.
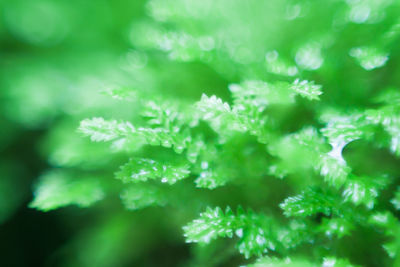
55 56
61 60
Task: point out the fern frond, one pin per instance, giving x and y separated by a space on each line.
307 89
334 169
309 202
57 189
257 233
338 227
100 130
139 196
391 226
224 119
364 190
122 132
141 170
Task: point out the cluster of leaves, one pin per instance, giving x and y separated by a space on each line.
335 198
222 107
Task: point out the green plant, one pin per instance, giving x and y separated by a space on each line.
274 123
